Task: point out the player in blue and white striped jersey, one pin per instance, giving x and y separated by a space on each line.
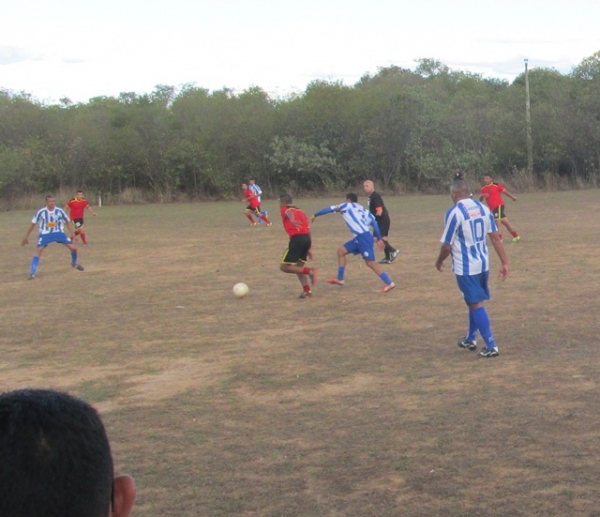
51 221
467 225
359 221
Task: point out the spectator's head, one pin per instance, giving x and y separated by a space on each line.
458 174
369 187
352 197
285 199
55 459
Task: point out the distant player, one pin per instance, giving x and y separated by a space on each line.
253 207
257 191
359 221
52 221
377 207
466 226
76 207
298 251
492 192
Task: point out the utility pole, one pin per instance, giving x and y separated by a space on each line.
528 123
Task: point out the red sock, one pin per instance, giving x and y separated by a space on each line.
83 237
250 217
265 219
305 270
514 234
306 288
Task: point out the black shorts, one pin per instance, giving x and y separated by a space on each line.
253 210
384 224
297 250
78 223
499 213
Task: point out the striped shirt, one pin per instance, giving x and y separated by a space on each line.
466 226
357 218
51 221
256 190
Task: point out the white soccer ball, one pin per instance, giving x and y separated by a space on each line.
240 290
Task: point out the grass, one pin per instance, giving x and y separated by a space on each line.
349 404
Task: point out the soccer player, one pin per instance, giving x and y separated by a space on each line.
56 459
467 225
298 251
52 221
377 207
492 193
253 207
257 191
76 207
358 220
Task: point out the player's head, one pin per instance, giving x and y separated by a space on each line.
244 186
459 190
252 181
369 187
487 179
50 202
352 197
79 194
285 199
55 459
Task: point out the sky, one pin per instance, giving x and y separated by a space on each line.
80 49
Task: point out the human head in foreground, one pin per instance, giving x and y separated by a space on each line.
55 459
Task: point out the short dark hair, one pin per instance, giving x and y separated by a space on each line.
352 197
55 457
286 198
49 196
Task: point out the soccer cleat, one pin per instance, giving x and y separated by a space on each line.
515 240
253 224
335 281
490 352
77 267
468 345
313 276
385 261
394 254
31 277
269 224
387 288
305 294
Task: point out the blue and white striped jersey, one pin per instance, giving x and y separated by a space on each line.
357 218
51 221
256 190
466 226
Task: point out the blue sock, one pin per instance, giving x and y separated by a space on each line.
482 320
35 262
341 270
385 277
73 258
472 328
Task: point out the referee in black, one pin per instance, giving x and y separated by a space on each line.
377 208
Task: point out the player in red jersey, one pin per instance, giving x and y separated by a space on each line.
298 252
76 207
253 206
492 193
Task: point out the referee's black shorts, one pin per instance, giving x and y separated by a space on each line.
383 222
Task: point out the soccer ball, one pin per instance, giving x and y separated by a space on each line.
240 290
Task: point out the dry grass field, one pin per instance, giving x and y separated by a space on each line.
352 403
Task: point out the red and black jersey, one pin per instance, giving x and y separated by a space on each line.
494 192
253 201
295 214
76 207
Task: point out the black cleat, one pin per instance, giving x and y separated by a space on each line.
490 352
77 267
467 345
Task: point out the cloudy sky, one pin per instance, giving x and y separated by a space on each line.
81 49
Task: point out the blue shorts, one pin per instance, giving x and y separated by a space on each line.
48 238
474 288
361 245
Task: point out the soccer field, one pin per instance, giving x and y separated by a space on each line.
352 403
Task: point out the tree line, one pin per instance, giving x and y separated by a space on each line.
405 129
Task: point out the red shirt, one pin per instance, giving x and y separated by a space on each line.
494 191
252 199
76 207
299 217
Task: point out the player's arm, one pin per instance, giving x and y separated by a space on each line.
499 247
444 254
326 210
91 210
26 238
514 198
377 232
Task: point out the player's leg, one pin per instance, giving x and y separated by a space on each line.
294 261
389 285
512 230
342 251
82 234
248 213
367 252
73 250
263 217
35 260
